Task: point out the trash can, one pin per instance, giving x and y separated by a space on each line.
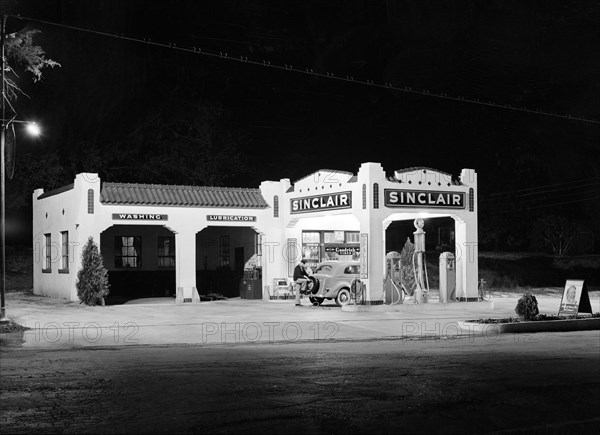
251 288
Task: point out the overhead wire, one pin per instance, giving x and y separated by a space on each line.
545 186
309 71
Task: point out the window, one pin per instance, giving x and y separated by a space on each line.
47 253
64 252
471 199
128 251
328 237
166 252
375 195
276 206
292 255
364 196
311 237
224 250
90 201
352 270
352 237
258 244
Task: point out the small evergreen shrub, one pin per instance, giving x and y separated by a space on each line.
406 267
92 278
527 307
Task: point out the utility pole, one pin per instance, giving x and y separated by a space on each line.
3 318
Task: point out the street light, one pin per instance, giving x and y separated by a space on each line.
32 128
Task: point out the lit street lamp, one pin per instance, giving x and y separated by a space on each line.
32 128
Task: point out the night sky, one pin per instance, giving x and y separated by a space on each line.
533 55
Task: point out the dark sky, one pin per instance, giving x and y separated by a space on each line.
536 55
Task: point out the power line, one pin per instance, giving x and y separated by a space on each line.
507 192
558 190
543 195
563 203
308 71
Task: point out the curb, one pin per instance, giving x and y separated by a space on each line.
563 325
450 306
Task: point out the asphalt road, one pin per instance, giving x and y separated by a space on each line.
534 383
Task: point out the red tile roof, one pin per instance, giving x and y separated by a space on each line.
181 196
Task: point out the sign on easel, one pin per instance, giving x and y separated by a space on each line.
575 299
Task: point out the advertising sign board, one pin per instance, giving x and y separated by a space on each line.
575 299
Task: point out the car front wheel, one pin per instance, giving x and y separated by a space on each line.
343 297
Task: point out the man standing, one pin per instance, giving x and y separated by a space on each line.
300 279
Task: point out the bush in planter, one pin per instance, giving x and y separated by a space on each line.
92 278
527 307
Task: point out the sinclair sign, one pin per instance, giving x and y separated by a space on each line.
332 201
423 198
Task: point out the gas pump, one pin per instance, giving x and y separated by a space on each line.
392 286
447 277
419 268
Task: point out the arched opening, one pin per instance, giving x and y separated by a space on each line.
140 260
440 236
221 254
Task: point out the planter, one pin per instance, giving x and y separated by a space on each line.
588 324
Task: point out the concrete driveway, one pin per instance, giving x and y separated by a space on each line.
59 323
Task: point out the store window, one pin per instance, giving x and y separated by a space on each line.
47 253
311 247
352 237
166 252
64 248
224 250
128 252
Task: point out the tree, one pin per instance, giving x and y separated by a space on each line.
92 278
555 233
179 142
20 48
408 273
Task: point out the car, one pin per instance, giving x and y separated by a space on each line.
332 280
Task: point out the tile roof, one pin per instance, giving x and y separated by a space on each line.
181 196
56 191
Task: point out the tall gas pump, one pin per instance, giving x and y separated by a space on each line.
422 290
392 286
447 277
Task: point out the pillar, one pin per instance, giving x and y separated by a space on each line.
185 265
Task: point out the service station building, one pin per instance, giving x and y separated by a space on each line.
183 241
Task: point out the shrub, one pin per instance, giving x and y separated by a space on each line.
406 267
92 278
527 307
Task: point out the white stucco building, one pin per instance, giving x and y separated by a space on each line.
160 240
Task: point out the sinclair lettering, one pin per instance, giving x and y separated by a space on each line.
333 201
422 198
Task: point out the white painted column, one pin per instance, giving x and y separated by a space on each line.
375 260
185 265
467 271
